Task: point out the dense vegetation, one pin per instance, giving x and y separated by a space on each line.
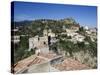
36 27
86 53
21 50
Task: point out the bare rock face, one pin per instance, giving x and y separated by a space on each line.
85 57
71 64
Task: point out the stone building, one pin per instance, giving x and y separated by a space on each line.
38 42
75 27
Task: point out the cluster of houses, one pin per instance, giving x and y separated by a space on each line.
77 37
42 43
74 35
72 32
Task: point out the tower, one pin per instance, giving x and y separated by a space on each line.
45 33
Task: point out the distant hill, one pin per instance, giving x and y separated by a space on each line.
66 21
36 27
21 23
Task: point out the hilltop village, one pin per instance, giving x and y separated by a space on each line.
53 45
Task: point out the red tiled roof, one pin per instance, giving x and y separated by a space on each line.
70 64
27 62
